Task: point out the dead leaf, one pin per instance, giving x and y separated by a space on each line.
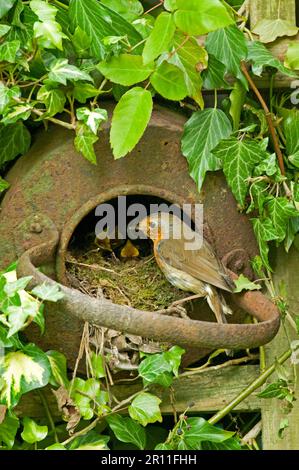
269 30
68 408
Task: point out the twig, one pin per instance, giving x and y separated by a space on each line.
232 362
48 413
250 389
154 7
268 117
253 433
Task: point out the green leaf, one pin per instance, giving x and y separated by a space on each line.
125 69
3 185
23 371
264 232
128 9
98 22
127 430
200 17
56 447
280 210
271 29
145 409
261 57
4 28
98 366
8 51
15 140
243 283
61 71
53 98
170 5
58 369
214 75
156 369
11 288
230 444
204 130
88 397
8 428
169 81
48 292
229 47
239 158
199 430
84 142
47 30
292 56
130 118
174 357
92 118
291 130
7 96
5 6
160 38
32 432
90 441
17 113
237 99
277 389
82 91
190 57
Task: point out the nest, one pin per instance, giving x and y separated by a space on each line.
135 282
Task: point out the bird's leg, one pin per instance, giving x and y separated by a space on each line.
186 299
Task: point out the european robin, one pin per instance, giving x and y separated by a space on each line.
195 270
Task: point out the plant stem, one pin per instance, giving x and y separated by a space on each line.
48 413
60 4
154 7
268 117
250 389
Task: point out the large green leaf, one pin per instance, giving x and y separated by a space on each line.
199 430
145 409
8 430
98 21
160 368
84 142
126 69
58 369
292 57
15 140
291 130
239 158
269 30
48 31
261 57
264 232
128 9
280 210
53 98
130 118
190 57
214 75
197 17
204 130
23 371
90 441
169 81
160 38
127 430
61 71
228 45
8 51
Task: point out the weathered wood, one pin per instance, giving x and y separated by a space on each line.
208 392
284 9
286 271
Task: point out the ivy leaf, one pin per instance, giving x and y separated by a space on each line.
15 140
127 430
56 447
8 51
53 98
237 100
174 357
156 369
48 292
145 409
130 10
229 47
47 30
169 81
9 428
61 71
230 444
5 6
190 57
58 369
264 232
130 118
4 28
98 21
243 283
204 130
17 113
97 364
261 57
23 371
84 142
32 432
277 389
126 69
3 185
239 158
292 56
280 210
199 430
291 130
90 441
92 118
268 166
213 76
82 91
198 18
160 38
269 30
91 398
170 5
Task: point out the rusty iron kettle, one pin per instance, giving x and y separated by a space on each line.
53 189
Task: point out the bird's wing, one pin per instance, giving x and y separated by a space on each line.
202 264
